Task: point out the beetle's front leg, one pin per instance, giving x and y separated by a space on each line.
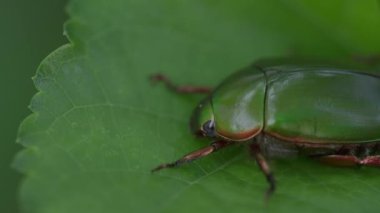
264 166
179 89
215 146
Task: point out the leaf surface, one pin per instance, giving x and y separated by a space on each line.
98 126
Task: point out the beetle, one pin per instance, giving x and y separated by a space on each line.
284 109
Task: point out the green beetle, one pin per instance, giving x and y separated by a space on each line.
325 112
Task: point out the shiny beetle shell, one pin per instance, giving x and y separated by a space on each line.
310 104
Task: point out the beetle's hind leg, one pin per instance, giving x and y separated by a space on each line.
350 160
367 155
264 166
213 147
179 89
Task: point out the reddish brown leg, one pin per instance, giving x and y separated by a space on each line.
215 146
256 152
367 59
350 160
340 160
371 161
179 89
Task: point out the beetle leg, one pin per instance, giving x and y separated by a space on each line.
215 146
373 160
256 152
179 89
367 59
340 160
350 160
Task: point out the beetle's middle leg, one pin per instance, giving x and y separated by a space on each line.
264 166
213 147
179 89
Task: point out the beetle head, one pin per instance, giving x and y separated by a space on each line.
202 121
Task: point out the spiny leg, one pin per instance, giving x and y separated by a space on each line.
350 160
213 147
260 159
179 89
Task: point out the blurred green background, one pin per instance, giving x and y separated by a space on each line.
30 30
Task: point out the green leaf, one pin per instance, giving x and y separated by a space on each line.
98 126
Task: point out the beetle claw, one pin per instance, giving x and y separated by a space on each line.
272 187
154 78
163 166
158 168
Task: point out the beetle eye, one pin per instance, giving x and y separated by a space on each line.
208 128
